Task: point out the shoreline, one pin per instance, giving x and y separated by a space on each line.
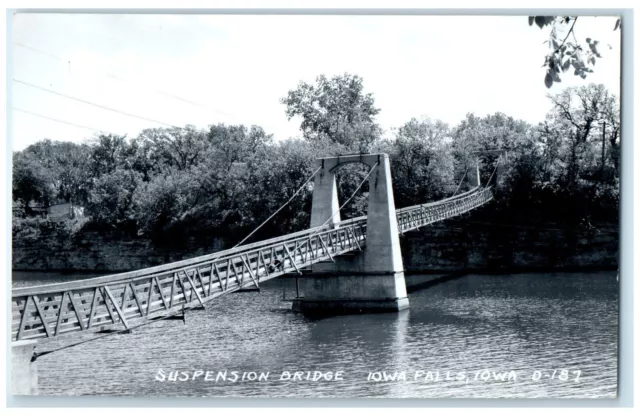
441 248
441 273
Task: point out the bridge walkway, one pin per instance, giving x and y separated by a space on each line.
126 300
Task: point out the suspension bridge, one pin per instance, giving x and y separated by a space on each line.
369 278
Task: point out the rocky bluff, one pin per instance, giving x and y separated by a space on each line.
449 246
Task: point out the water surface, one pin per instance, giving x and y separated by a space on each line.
464 338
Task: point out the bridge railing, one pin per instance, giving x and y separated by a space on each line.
420 215
126 300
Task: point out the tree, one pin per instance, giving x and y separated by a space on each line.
273 180
586 109
108 152
30 182
233 144
565 52
173 147
474 136
336 109
111 200
583 115
422 162
202 185
67 166
163 203
560 171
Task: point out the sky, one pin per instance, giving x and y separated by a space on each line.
174 70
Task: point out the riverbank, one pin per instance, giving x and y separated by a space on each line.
102 252
452 246
472 246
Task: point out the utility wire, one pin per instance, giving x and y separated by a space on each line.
57 120
118 78
38 51
92 104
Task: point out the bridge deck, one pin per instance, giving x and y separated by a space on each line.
126 300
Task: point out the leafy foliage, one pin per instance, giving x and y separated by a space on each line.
30 182
111 198
173 147
108 153
335 109
565 52
228 179
475 138
583 130
422 162
63 165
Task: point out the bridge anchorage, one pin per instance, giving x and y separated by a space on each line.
371 280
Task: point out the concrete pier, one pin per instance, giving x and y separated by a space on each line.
371 280
24 372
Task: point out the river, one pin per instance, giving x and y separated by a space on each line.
552 335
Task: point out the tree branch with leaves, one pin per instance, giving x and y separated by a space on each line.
566 53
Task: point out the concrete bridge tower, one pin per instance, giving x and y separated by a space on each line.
500 167
473 173
371 280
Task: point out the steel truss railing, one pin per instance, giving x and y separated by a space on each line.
420 215
126 300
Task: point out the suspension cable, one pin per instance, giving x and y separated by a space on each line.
464 175
347 201
319 228
494 171
173 315
281 208
256 229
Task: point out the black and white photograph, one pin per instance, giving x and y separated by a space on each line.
310 206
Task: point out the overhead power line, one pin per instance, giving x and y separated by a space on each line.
118 78
38 51
93 104
57 120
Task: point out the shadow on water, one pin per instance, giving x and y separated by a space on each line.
298 316
316 316
321 316
412 287
415 287
524 322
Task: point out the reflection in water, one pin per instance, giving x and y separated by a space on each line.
459 338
